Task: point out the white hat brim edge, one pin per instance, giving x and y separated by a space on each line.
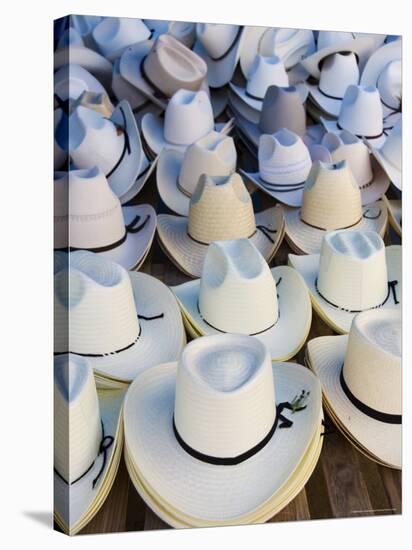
290 198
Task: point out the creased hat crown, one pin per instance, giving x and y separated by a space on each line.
288 44
338 71
282 108
265 72
114 34
216 38
361 111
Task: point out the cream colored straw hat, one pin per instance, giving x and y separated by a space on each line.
114 34
395 214
219 46
238 293
205 433
331 201
354 272
372 180
220 209
284 165
123 322
88 441
178 173
361 378
389 155
89 216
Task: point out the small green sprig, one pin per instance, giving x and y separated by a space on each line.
298 402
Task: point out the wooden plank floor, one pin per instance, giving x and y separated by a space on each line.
344 483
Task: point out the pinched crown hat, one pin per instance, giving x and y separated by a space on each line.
389 155
331 201
361 378
114 34
239 293
178 173
220 209
353 273
70 81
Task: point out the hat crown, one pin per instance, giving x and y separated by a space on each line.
225 395
346 146
289 44
95 215
330 38
391 150
70 37
237 290
113 34
188 117
331 197
94 140
214 155
77 424
282 108
352 270
95 305
361 111
389 84
338 71
220 209
283 158
183 31
216 38
171 66
372 369
265 72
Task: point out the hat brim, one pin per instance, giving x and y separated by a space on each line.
338 319
326 356
256 104
167 176
87 58
394 175
332 126
220 72
378 186
327 104
241 109
395 214
288 197
75 505
219 99
146 170
308 239
189 255
206 491
289 332
378 61
67 72
160 340
281 499
126 173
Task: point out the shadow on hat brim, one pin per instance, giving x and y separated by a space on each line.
332 126
291 198
290 331
167 176
256 104
76 505
395 214
160 339
146 171
394 175
288 492
189 255
326 104
326 356
308 239
213 493
87 58
338 319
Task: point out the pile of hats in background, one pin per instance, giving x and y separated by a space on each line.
249 136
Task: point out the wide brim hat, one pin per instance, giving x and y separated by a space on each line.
273 506
306 239
256 104
84 79
146 170
220 71
326 356
212 492
378 61
153 133
395 214
339 319
288 195
334 127
188 255
287 335
327 104
87 58
76 504
161 337
394 175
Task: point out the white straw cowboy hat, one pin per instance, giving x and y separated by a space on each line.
87 209
114 34
184 31
372 179
159 69
361 114
111 144
205 432
122 322
354 272
361 378
389 155
282 107
70 81
331 201
239 293
362 47
338 71
71 49
188 117
284 165
291 45
395 214
88 442
220 209
178 173
219 46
